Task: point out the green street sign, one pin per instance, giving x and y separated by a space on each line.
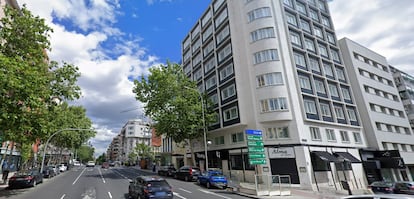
257 155
256 149
254 137
257 161
255 143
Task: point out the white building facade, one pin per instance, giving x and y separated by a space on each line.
386 125
134 132
275 66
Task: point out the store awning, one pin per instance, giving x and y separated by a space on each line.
325 156
348 157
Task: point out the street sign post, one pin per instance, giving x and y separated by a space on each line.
255 145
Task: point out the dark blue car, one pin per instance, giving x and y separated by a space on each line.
213 178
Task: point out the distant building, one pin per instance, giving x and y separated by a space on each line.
386 126
135 131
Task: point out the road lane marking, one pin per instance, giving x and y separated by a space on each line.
178 195
115 171
78 177
110 195
63 196
100 173
212 193
184 190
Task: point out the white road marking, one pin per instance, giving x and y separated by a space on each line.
178 195
212 193
89 194
63 196
78 177
185 190
100 173
121 175
110 195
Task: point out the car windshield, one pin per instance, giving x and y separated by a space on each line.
382 184
216 174
161 183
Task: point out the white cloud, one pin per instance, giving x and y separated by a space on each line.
106 90
382 26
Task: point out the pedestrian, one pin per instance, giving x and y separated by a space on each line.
5 171
153 167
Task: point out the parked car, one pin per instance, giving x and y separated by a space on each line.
382 187
213 178
63 168
49 172
26 178
404 187
153 187
166 170
187 173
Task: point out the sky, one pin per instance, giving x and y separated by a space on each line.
115 41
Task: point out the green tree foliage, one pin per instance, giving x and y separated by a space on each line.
144 151
176 109
101 159
85 153
29 81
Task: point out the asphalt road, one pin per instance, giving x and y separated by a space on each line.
112 183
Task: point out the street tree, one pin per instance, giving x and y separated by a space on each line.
172 101
29 81
85 153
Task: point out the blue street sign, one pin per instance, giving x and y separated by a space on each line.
253 132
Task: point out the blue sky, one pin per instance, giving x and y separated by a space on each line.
114 40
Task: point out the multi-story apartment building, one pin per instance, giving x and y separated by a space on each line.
275 67
384 120
172 153
114 149
405 85
135 131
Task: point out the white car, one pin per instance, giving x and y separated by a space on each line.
90 164
62 167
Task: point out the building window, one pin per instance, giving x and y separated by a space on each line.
231 113
335 55
208 49
214 98
320 86
219 140
326 22
309 44
323 51
310 106
262 33
314 64
328 69
288 3
210 82
269 79
198 74
357 137
318 31
210 64
228 92
274 104
315 134
351 114
314 15
321 5
265 55
299 59
197 59
346 93
222 35
226 71
291 19
217 4
295 39
339 112
331 38
237 137
344 136
330 134
220 18
301 8
223 53
259 13
207 33
277 133
340 73
206 18
333 90
325 110
304 82
305 26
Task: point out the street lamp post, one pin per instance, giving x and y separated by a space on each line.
50 137
204 125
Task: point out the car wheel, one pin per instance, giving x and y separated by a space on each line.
187 178
208 185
